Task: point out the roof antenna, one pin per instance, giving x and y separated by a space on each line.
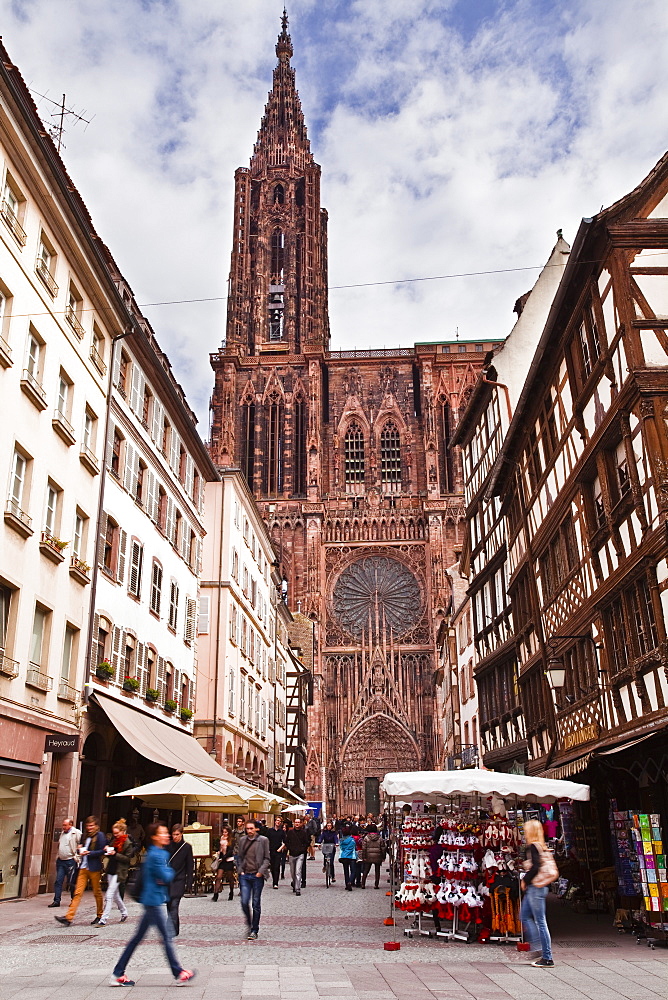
61 114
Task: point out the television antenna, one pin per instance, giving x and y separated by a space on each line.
61 115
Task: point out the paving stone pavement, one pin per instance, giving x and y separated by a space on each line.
326 945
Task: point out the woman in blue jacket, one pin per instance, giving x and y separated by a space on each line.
348 857
156 874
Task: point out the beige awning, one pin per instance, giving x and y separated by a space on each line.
161 742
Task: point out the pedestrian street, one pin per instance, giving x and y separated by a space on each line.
325 945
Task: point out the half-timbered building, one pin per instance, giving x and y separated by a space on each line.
581 480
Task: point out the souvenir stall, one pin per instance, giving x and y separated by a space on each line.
458 848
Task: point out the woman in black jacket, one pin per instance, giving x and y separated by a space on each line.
182 861
223 864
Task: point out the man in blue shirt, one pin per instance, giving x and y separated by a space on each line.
90 852
156 874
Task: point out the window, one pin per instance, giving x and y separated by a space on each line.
98 350
263 720
274 462
74 310
279 194
277 256
62 408
79 535
123 373
89 431
235 565
102 642
242 702
622 470
5 604
116 445
13 204
17 488
233 624
354 458
156 587
38 640
146 407
69 646
560 559
236 514
129 656
35 356
230 692
51 513
390 457
190 630
581 673
109 546
248 439
136 560
244 635
174 606
45 265
139 483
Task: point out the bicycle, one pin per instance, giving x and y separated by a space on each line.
327 863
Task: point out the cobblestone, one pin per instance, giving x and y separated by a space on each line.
326 945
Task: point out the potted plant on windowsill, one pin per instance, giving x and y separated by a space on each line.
170 706
104 670
186 715
130 684
152 695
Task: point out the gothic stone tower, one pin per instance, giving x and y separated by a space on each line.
347 455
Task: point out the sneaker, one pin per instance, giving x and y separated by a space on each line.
51 905
96 921
274 887
62 920
121 981
102 923
298 893
252 936
124 918
184 977
543 963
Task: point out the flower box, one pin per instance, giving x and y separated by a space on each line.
104 671
130 684
170 706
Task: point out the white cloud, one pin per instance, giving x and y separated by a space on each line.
446 145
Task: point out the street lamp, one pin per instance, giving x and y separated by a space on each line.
556 672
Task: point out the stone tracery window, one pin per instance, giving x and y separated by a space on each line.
299 484
354 458
277 256
248 441
274 453
279 195
377 592
390 458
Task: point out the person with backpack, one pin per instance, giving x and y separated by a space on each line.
372 854
541 871
151 888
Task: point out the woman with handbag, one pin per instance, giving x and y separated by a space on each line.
541 871
223 864
119 851
182 861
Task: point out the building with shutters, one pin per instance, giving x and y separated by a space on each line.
144 636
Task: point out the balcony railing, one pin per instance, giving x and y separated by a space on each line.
42 271
66 692
63 427
98 360
12 223
18 519
73 320
8 667
36 679
466 756
33 389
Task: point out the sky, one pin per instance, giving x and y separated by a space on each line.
454 136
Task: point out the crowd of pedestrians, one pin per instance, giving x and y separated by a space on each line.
164 870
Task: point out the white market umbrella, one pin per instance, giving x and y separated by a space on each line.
296 809
434 786
188 791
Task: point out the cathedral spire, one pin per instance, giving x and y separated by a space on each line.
282 137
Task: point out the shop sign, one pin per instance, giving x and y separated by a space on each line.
57 743
583 735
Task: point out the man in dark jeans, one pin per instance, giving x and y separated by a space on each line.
296 842
66 862
252 865
182 861
276 838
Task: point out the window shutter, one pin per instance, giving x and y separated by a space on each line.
140 666
129 466
122 547
135 569
93 644
116 658
203 622
190 475
174 451
170 520
184 541
271 713
137 390
156 422
100 542
116 348
230 693
191 620
160 682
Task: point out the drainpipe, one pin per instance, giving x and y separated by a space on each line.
500 385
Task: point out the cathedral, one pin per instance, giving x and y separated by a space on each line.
347 454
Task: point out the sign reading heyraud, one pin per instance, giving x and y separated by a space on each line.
58 743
